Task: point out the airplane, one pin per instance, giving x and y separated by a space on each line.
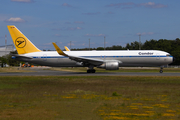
106 59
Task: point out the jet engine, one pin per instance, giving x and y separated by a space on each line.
111 65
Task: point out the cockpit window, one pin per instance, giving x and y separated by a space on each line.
168 55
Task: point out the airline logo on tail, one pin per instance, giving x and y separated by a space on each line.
20 42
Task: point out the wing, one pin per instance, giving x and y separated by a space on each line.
85 60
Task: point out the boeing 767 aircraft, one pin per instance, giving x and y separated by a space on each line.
109 60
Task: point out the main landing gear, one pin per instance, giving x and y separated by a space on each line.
161 70
91 69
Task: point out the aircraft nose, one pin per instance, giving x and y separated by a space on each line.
174 59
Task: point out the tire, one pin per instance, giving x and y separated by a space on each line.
161 71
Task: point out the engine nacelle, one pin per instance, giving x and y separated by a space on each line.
113 65
79 64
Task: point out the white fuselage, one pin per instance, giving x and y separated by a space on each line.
141 58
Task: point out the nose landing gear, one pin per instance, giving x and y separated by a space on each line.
161 70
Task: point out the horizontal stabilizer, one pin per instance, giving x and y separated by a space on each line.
20 56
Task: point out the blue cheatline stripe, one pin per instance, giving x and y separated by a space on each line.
98 56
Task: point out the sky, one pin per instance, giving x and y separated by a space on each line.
77 21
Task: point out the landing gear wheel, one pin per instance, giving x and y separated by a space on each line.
88 71
161 71
91 71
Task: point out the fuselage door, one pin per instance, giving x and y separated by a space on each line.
44 57
157 56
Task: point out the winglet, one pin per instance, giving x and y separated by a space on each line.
60 52
67 49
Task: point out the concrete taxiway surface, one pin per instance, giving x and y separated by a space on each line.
40 72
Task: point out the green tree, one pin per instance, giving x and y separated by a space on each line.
3 61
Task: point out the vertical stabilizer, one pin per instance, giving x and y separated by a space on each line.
22 43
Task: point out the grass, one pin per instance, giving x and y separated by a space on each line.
89 97
14 69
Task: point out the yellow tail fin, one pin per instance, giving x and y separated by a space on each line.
22 43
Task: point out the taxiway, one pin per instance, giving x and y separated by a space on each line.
40 72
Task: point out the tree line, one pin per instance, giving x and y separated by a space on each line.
170 46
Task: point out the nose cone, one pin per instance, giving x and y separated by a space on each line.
174 59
